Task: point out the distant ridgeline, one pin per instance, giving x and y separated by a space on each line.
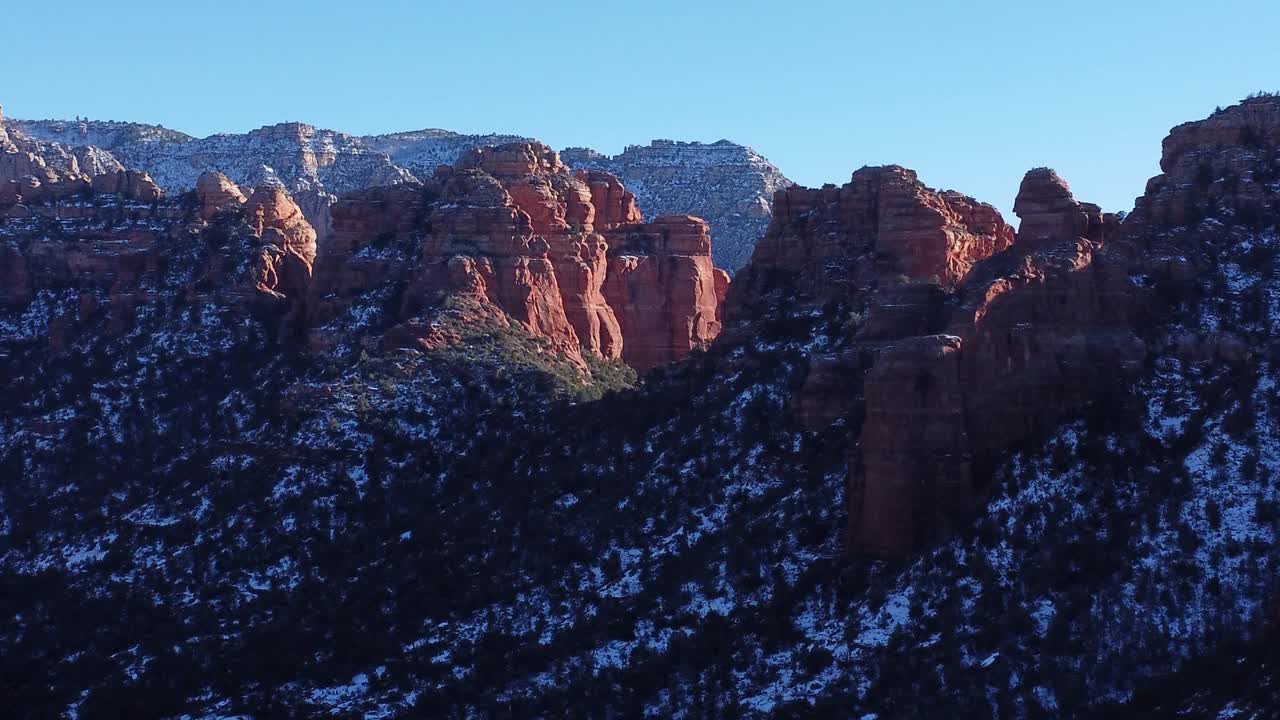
728 185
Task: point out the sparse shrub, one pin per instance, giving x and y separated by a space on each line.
1213 513
1204 176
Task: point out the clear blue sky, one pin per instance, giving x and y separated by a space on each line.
970 94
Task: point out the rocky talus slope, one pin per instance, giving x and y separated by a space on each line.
929 466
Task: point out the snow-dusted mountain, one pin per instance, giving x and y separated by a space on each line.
315 165
422 151
729 185
105 134
299 156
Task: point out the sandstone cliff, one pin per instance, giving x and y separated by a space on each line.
110 239
513 229
967 341
1033 334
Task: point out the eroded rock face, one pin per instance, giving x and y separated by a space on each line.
215 192
914 473
1049 211
112 244
26 174
837 243
1033 334
279 220
1223 164
614 204
561 213
644 292
288 242
482 245
967 340
513 228
376 241
664 289
132 184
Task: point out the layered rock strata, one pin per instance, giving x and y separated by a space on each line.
971 339
511 227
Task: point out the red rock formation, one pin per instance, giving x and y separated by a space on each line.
581 265
131 184
89 249
824 398
663 289
1038 330
1240 129
972 342
512 228
374 242
111 250
561 211
1226 162
915 470
722 281
278 220
483 246
289 242
26 175
646 293
614 204
1050 212
837 243
215 192
35 173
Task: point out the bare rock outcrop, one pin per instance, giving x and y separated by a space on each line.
1032 335
884 225
117 240
1219 167
969 339
132 184
215 192
664 289
512 228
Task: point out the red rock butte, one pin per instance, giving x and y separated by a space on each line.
564 254
975 339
